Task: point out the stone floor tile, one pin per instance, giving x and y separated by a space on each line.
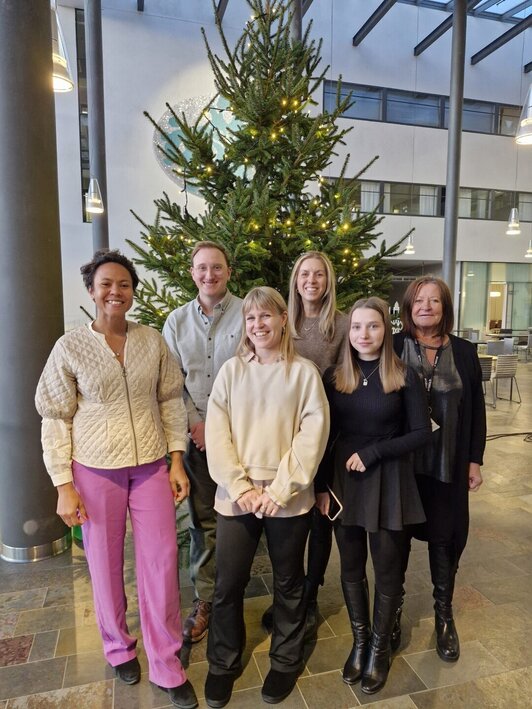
483 623
330 654
327 690
501 591
31 678
80 592
401 680
86 667
510 689
466 695
512 649
8 622
98 695
77 640
15 651
143 695
37 621
44 645
22 600
403 702
475 661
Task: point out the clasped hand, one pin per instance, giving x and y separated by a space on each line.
354 463
255 502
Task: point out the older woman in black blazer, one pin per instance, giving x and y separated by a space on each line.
449 468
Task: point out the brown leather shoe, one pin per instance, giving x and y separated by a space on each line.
197 623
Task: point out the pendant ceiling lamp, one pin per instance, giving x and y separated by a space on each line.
93 198
524 128
513 227
528 253
61 74
410 247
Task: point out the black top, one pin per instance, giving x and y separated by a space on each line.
444 398
383 429
471 430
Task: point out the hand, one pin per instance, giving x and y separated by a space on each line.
265 505
323 502
178 478
247 501
70 506
475 477
197 434
354 463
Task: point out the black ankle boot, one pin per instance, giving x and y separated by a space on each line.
357 602
443 567
379 656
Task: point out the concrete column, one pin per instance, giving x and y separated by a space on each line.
31 301
297 19
96 116
454 146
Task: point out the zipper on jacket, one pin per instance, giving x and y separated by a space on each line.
124 372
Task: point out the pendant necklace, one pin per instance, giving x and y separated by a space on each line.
117 354
308 329
365 379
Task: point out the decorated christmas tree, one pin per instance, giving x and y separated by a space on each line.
256 154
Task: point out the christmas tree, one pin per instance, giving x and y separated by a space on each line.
266 199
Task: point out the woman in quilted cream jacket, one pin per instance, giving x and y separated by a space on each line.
110 397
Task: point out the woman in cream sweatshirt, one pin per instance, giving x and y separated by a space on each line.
266 430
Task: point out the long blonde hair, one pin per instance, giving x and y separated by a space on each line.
296 311
269 299
392 370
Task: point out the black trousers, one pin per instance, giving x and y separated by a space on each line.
388 548
319 550
236 544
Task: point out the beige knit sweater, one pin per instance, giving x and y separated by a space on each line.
104 415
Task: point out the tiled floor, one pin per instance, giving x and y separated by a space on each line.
50 651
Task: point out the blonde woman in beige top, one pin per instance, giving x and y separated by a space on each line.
266 429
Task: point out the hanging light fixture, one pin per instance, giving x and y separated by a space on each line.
528 253
93 198
409 247
61 74
524 127
513 227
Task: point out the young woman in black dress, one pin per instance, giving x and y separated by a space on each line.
378 416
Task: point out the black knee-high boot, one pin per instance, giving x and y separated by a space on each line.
357 602
395 639
443 567
379 657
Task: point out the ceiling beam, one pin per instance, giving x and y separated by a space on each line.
221 8
372 21
500 41
140 5
440 30
527 68
485 6
518 8
306 5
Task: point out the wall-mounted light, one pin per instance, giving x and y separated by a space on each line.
410 247
513 228
495 294
93 198
524 127
61 74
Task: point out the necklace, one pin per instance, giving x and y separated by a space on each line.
365 378
117 354
308 329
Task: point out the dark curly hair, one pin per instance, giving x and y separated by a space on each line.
107 256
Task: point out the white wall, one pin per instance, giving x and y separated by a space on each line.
158 56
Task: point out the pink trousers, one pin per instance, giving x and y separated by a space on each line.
144 490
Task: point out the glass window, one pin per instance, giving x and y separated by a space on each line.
508 119
525 206
501 203
474 203
367 100
477 116
369 195
82 108
413 109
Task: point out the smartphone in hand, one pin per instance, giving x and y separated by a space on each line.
335 506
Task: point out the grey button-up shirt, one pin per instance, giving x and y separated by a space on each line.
201 345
